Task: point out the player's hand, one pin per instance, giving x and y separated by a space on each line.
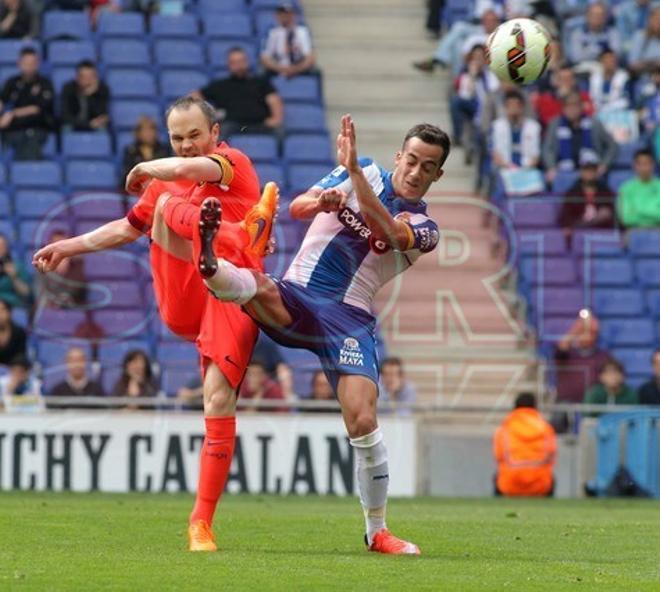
332 200
347 145
137 180
49 257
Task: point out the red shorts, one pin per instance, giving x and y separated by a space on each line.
222 332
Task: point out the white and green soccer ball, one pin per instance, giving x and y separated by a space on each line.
518 51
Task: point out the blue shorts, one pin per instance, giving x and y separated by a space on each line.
341 335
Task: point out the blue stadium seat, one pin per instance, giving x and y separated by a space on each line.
7 72
20 316
627 332
551 271
69 53
302 89
653 301
65 24
120 24
109 376
644 242
5 205
541 243
217 52
184 25
3 174
125 114
205 7
10 49
270 172
91 174
259 147
60 76
7 229
112 353
174 379
57 323
36 233
304 118
264 21
533 213
271 5
38 203
178 53
178 83
86 145
597 243
110 265
647 272
97 206
563 181
622 302
122 323
307 148
125 52
173 353
607 272
49 149
557 301
303 176
617 178
228 26
53 353
115 294
625 154
635 360
130 83
36 174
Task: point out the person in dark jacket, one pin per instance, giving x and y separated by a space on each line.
146 147
76 382
649 392
13 341
85 100
15 19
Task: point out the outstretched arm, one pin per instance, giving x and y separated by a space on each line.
197 169
111 235
382 224
315 201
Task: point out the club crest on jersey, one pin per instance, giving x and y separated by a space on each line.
350 354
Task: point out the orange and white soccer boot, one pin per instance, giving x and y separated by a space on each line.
259 221
385 542
200 537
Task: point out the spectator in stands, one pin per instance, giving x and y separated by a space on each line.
77 382
548 102
26 107
638 204
644 53
611 388
525 449
609 85
321 391
473 86
20 381
588 42
589 203
395 392
578 358
574 135
649 392
13 340
85 101
516 139
258 386
268 353
250 103
192 395
433 17
136 379
147 146
15 19
66 287
451 48
288 48
15 286
630 17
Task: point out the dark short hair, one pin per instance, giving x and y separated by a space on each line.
260 363
430 134
607 50
22 361
132 355
28 51
392 361
6 304
186 103
612 363
514 95
644 152
525 400
236 49
85 64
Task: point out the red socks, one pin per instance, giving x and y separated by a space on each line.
181 216
215 462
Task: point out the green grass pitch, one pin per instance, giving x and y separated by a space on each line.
137 542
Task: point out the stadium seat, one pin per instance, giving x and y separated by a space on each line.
259 147
53 353
129 83
5 205
307 148
177 353
96 206
91 174
36 174
124 323
36 233
551 271
179 53
7 72
3 174
111 353
270 172
617 178
49 149
86 145
634 360
653 301
65 24
57 323
109 377
178 83
39 203
125 114
173 379
647 272
60 76
184 25
618 302
304 118
205 7
597 243
111 265
563 181
303 176
125 52
607 272
644 242
217 52
20 316
70 53
264 21
302 89
271 5
10 49
533 213
120 24
557 301
627 332
8 230
625 154
227 26
542 243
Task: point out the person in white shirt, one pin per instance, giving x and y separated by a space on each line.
288 48
516 138
609 85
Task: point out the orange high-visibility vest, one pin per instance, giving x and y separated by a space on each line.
525 446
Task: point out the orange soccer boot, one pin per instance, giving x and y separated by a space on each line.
200 537
258 222
385 542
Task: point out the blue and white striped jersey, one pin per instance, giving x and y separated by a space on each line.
339 258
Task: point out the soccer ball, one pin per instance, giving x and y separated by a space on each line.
518 51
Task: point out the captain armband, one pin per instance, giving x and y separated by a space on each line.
225 166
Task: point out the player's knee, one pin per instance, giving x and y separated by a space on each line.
220 402
160 204
361 424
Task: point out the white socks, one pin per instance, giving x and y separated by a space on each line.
373 479
232 284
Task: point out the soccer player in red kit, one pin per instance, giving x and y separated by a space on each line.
206 169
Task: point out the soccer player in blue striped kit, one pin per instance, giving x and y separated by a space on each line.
368 225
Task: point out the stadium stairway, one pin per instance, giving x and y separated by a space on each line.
452 318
